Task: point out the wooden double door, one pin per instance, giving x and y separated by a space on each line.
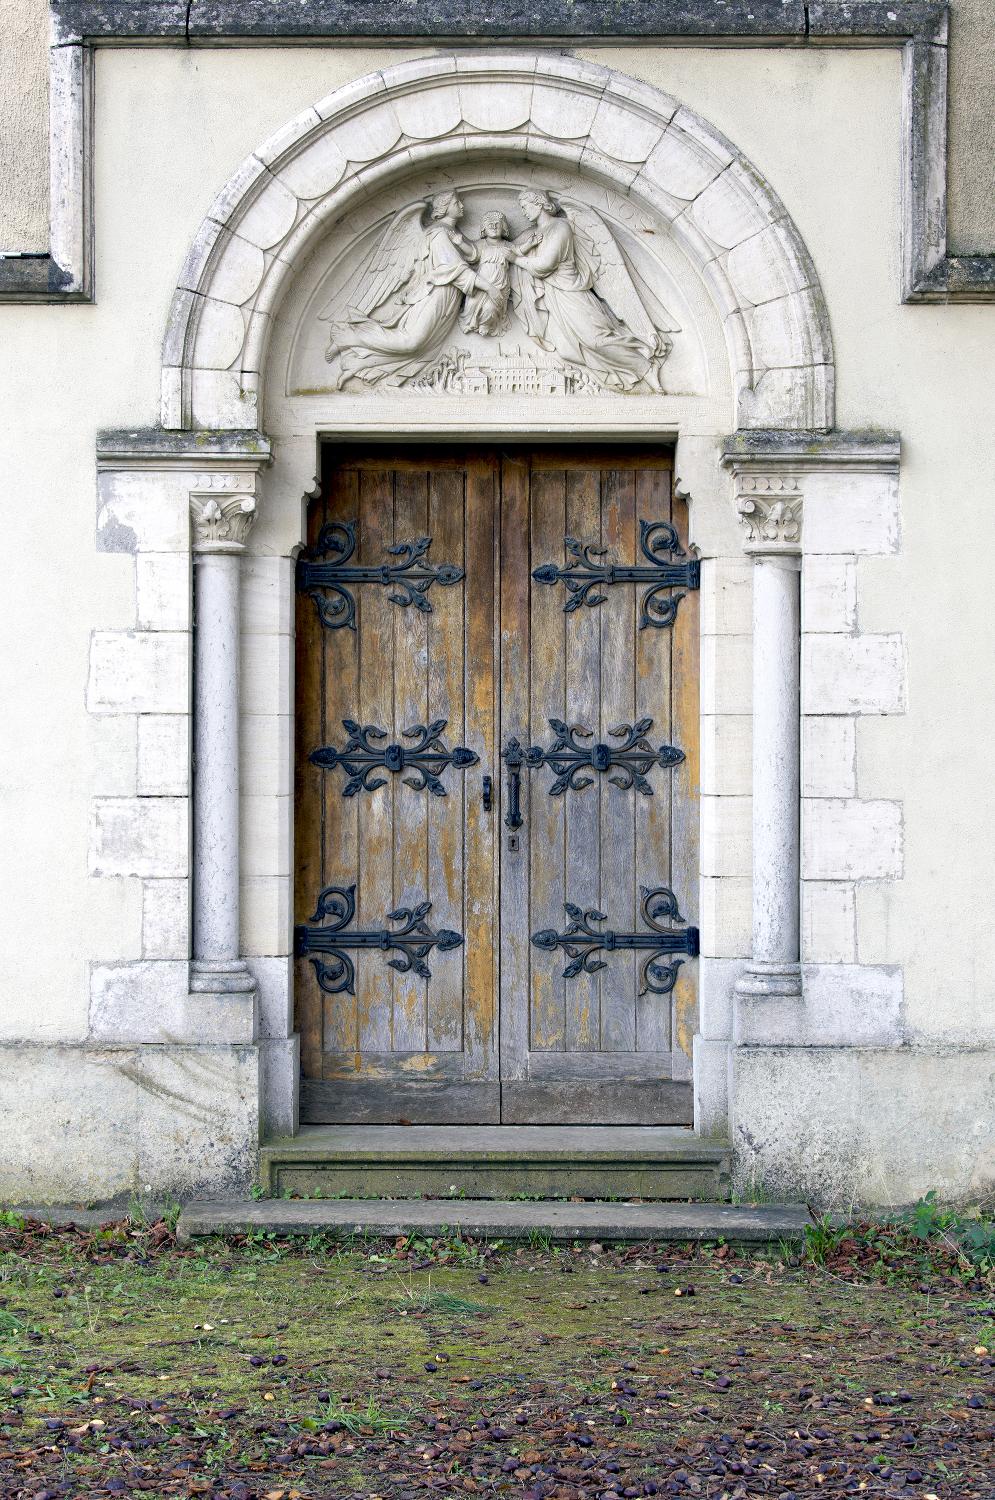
496 789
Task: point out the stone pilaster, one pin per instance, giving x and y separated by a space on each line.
770 511
222 510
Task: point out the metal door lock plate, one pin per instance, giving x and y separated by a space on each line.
513 841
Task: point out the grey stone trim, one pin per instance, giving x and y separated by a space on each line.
920 27
800 450
359 20
157 447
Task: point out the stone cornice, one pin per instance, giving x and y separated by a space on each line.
158 448
776 451
919 27
208 21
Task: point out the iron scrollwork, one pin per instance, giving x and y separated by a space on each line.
587 573
325 946
628 763
428 757
582 942
324 573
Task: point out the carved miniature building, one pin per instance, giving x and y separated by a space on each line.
502 665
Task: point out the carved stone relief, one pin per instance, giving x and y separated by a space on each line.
498 288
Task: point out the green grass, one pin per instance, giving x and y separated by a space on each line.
332 1367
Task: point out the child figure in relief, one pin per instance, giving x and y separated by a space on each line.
486 308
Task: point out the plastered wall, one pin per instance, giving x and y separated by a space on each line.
171 127
24 126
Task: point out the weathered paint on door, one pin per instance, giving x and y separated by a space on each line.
496 1031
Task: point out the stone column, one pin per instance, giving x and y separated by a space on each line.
220 524
770 510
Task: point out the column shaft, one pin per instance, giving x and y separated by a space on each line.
220 528
776 752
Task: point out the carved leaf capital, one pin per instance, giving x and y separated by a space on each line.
770 510
221 523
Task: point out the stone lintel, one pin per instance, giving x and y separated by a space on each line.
161 448
754 450
208 21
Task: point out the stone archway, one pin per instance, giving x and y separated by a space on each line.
727 221
744 255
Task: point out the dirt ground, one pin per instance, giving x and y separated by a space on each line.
265 1368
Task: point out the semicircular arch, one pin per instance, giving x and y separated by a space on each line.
730 225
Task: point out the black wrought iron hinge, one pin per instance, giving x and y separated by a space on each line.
325 581
324 945
428 757
582 942
585 574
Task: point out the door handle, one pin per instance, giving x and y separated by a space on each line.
513 756
488 790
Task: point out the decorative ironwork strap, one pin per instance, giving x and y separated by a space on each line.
325 581
585 574
628 763
360 759
582 942
336 908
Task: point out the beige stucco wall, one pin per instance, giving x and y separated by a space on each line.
24 126
171 127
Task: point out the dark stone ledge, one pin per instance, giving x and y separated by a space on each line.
117 20
201 445
867 445
216 20
36 276
958 278
873 18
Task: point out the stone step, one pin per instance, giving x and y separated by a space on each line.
493 1219
501 1161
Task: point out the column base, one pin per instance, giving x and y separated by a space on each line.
230 976
770 980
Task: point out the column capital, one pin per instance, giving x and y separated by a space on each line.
770 511
222 509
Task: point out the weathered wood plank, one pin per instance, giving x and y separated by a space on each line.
308 871
546 820
375 891
482 829
414 1066
410 807
552 1066
399 1101
618 806
515 635
653 671
340 820
687 784
444 1019
582 809
604 1102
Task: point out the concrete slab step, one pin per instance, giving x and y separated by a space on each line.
493 1219
477 1161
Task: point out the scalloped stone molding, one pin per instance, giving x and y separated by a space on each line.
730 225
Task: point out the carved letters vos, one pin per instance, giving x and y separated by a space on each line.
555 308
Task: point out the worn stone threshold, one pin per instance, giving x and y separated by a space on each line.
494 1219
495 1142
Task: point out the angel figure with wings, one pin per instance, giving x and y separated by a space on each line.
411 296
579 299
